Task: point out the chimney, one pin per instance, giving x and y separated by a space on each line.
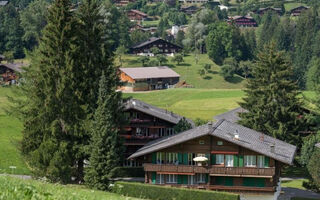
272 148
236 135
210 125
261 138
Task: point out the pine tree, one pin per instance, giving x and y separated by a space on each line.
106 146
272 101
183 125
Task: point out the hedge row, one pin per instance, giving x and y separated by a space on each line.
154 192
129 172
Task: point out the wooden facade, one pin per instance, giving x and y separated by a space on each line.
136 15
243 21
164 46
263 11
143 128
7 75
229 167
297 11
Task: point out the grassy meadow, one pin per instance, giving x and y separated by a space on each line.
189 69
13 189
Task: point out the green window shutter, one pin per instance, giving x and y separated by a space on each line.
185 159
219 180
235 161
213 159
185 179
153 177
228 181
179 179
154 158
260 182
240 160
180 158
207 178
266 161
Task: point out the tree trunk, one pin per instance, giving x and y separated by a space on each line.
80 173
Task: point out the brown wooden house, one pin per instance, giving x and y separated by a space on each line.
262 11
221 156
298 10
164 46
136 15
189 10
148 78
146 123
243 21
9 73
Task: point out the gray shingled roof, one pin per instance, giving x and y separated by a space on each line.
318 145
17 67
150 72
155 111
151 40
3 3
225 130
232 115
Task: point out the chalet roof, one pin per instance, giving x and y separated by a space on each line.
139 13
223 129
299 7
2 57
3 3
232 115
154 111
17 67
238 17
149 72
318 145
149 41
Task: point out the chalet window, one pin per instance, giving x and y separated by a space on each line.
160 157
229 161
191 156
172 158
201 141
160 179
201 178
172 178
250 161
191 180
260 161
219 159
170 131
219 143
161 132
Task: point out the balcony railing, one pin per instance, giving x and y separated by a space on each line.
227 171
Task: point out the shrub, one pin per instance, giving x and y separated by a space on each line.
154 192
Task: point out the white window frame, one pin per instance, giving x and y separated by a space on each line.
172 158
190 158
191 180
201 178
172 178
160 179
219 143
219 159
260 161
229 162
250 161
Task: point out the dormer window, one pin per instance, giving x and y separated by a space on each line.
201 141
219 143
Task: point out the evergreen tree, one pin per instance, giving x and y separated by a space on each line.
270 23
183 125
272 101
51 113
106 146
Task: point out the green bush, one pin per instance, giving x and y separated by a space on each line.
154 192
129 172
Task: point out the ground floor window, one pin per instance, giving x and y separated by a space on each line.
160 178
172 178
191 180
201 178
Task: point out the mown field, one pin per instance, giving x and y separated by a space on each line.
17 189
189 69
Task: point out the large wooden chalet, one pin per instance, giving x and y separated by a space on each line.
243 21
164 46
262 11
148 78
146 123
298 10
136 15
221 156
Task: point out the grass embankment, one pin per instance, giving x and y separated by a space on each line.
192 103
13 189
189 71
291 5
10 136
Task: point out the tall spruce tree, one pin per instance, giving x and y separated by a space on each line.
106 146
52 113
272 101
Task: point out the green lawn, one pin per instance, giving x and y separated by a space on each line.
294 184
189 72
150 23
10 135
13 188
290 6
192 103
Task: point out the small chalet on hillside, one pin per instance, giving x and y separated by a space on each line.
146 123
148 78
298 10
136 15
189 10
262 11
243 21
9 72
221 156
3 3
164 46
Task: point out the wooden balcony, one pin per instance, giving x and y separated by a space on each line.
212 170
